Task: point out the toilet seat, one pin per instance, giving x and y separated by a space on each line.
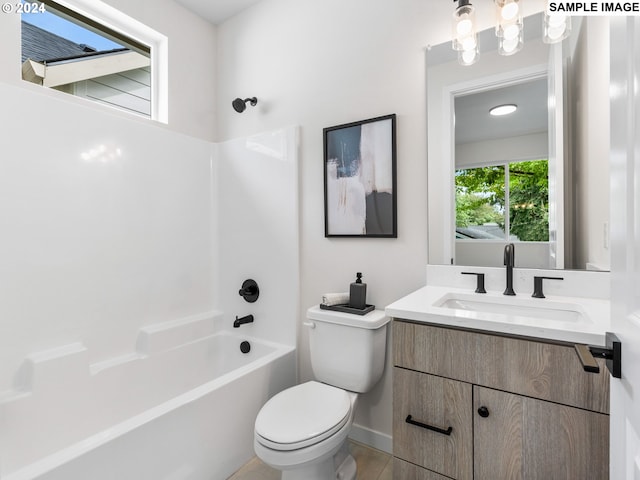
302 415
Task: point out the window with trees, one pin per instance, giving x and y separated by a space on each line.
509 202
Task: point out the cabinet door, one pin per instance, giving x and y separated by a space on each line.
525 438
437 402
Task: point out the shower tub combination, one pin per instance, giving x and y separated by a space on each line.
181 408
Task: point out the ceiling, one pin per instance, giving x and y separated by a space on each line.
217 11
473 122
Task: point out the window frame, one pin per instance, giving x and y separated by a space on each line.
116 25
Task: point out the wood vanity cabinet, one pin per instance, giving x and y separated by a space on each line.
517 408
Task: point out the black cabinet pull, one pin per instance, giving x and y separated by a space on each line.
612 352
483 412
429 427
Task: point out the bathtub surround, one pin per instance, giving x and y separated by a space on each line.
257 231
106 228
113 262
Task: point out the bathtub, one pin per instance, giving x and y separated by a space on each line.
182 407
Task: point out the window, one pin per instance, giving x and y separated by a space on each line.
507 202
65 49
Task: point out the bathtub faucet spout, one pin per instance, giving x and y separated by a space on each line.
242 321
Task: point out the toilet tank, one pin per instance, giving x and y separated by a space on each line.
347 350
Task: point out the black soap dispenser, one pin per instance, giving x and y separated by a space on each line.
358 293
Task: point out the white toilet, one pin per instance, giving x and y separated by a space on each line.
303 430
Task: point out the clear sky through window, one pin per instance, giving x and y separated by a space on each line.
69 30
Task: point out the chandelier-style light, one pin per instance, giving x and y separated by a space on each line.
555 28
465 37
509 25
509 29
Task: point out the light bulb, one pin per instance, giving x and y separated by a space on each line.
556 28
556 20
509 11
468 57
554 33
464 26
509 45
469 43
511 31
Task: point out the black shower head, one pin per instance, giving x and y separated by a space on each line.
239 105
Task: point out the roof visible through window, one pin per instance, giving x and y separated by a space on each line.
64 50
70 31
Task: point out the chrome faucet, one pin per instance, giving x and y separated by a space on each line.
509 261
242 321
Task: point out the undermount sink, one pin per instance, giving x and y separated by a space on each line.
514 307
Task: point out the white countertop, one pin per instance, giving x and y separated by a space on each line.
419 306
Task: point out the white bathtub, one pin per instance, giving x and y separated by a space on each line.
181 407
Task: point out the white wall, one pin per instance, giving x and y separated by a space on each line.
509 149
191 61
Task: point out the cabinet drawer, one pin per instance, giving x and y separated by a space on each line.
437 402
407 471
536 369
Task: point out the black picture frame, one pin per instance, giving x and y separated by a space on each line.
360 186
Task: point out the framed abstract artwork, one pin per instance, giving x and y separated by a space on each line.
360 179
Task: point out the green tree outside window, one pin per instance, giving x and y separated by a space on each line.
482 198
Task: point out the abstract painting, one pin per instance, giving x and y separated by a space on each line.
360 179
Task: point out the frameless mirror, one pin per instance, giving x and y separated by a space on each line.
537 177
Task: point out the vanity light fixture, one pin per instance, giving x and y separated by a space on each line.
465 38
556 27
509 26
501 110
509 29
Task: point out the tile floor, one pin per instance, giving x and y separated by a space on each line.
372 465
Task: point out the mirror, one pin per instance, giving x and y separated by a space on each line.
543 173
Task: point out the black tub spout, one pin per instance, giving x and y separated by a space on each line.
242 321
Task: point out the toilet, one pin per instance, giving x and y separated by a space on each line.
302 430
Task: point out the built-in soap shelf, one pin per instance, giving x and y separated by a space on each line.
69 364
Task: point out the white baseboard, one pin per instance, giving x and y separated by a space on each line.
378 440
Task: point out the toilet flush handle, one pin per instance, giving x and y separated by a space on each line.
309 324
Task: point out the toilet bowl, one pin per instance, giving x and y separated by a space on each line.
302 431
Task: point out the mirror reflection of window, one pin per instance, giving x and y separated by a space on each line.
485 194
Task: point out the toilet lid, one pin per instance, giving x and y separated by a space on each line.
302 415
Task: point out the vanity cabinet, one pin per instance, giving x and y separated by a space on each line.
470 405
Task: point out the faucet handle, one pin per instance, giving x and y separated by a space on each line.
479 282
509 255
537 285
